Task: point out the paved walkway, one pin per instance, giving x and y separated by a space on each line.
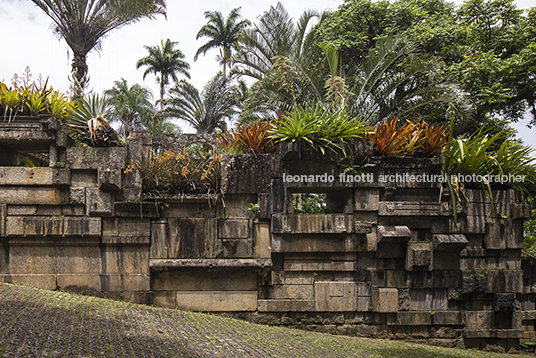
39 323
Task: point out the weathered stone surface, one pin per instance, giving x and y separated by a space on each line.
78 282
311 223
37 195
419 256
390 250
428 299
99 203
78 259
505 281
93 157
495 236
385 300
367 199
411 318
450 243
204 281
335 296
52 226
364 304
397 208
479 320
209 263
520 211
123 259
77 196
164 299
292 291
320 266
396 234
283 305
125 282
126 227
364 289
3 214
314 243
237 248
447 318
514 234
246 174
261 235
146 209
233 229
32 260
217 301
109 178
26 176
191 238
505 302
44 281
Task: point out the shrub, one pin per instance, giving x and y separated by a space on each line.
252 138
177 173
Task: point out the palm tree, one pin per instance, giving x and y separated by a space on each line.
131 105
223 34
83 24
166 61
273 40
276 34
205 111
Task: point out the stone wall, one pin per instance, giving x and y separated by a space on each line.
387 259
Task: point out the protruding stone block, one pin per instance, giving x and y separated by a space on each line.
94 157
367 199
126 227
447 318
217 301
495 236
396 234
412 318
311 224
286 305
261 235
237 248
479 320
520 211
99 203
450 243
419 256
77 196
37 195
233 229
109 178
335 296
3 214
385 300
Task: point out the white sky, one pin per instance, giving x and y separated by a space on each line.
30 42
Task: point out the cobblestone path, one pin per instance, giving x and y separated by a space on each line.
39 323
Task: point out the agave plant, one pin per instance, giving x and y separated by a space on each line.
88 116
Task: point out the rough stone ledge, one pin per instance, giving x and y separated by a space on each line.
208 263
183 198
493 333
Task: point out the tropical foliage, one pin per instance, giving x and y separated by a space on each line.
319 126
83 24
410 139
177 173
205 111
31 100
223 34
486 46
88 118
131 106
164 61
247 138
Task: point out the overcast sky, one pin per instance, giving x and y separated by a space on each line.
30 42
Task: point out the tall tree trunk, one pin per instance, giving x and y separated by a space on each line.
162 90
79 75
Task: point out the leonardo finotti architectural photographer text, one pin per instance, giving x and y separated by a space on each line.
403 178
